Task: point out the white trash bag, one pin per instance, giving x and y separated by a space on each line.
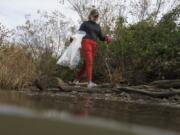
71 56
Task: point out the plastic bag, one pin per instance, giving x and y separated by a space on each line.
71 56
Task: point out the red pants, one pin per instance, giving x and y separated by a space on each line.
89 51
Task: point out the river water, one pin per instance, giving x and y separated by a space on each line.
33 113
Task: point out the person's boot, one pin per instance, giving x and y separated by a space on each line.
91 85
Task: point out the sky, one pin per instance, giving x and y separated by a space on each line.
12 12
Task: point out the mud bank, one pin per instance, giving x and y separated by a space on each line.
166 92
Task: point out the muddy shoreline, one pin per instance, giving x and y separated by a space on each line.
173 101
163 92
142 94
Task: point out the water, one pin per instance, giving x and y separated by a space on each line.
50 113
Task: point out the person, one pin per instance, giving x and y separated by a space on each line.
89 46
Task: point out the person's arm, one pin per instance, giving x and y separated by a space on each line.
83 27
100 35
106 38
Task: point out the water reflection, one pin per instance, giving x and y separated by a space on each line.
84 106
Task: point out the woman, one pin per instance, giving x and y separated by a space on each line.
89 45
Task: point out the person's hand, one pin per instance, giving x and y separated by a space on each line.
71 39
108 39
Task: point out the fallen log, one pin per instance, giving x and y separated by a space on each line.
166 84
162 94
153 90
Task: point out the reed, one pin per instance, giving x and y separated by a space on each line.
17 69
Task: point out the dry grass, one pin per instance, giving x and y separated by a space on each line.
16 68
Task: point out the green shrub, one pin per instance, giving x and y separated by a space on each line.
142 52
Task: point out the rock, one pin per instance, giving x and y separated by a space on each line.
61 82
